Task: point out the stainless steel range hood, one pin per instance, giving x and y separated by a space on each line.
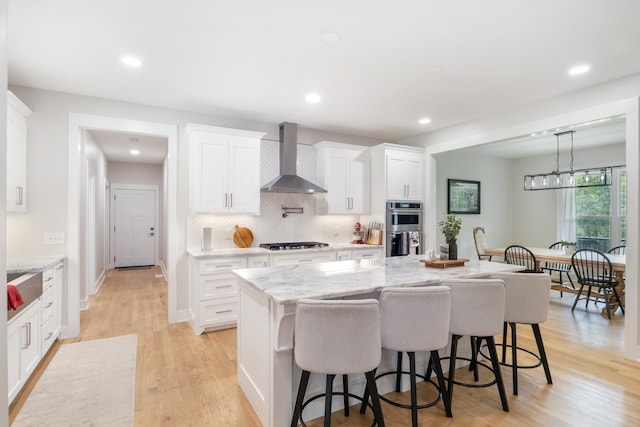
288 181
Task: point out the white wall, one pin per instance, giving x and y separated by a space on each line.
97 167
495 215
135 173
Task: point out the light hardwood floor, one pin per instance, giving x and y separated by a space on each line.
188 380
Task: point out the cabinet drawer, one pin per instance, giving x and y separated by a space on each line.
224 284
47 279
258 261
309 258
48 337
218 311
363 254
212 266
47 304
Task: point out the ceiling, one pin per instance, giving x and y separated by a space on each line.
117 147
606 131
395 62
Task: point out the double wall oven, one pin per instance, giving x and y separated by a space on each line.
404 228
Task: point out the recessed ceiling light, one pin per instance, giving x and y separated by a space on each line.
134 152
329 37
312 98
424 121
131 61
579 69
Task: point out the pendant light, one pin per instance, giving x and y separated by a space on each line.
573 178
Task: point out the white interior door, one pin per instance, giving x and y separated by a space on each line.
134 227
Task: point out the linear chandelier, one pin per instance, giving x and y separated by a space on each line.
573 178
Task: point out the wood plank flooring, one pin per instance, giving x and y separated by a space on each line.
188 380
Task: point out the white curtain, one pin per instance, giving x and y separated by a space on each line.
566 214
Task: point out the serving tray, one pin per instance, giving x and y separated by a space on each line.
440 263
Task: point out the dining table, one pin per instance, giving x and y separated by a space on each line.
542 255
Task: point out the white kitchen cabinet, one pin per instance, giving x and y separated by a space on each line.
404 173
51 306
358 253
225 170
23 347
302 258
214 290
17 113
343 170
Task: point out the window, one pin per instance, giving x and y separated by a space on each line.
601 213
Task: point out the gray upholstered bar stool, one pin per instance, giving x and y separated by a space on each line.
477 311
527 302
411 320
337 337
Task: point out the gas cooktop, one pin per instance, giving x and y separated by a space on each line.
292 245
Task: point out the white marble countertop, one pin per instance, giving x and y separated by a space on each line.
32 264
256 250
287 284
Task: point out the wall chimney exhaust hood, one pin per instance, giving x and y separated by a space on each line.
288 181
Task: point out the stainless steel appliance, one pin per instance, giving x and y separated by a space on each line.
404 228
293 245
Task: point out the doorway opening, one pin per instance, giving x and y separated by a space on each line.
78 212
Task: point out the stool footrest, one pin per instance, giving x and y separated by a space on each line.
403 405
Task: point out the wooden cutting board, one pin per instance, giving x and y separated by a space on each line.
242 237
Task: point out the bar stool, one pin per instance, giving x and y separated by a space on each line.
337 337
415 319
477 311
527 302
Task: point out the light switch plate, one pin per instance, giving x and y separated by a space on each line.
56 238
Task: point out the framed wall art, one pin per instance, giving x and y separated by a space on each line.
463 197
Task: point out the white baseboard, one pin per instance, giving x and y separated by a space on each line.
84 304
99 282
164 270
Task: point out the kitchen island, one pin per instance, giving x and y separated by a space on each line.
267 372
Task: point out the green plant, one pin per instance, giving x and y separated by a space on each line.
565 243
450 227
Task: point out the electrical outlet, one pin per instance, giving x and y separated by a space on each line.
54 238
228 233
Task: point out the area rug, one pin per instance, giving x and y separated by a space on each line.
90 383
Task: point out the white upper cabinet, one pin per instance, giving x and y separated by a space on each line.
343 170
225 169
405 173
17 114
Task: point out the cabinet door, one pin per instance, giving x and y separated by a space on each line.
258 262
244 175
58 278
210 186
343 255
16 161
337 172
396 189
358 178
30 334
13 357
413 172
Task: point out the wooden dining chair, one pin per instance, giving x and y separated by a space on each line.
559 268
618 250
594 271
519 255
480 240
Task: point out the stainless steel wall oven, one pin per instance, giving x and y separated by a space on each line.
404 228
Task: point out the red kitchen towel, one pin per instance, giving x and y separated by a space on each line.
14 299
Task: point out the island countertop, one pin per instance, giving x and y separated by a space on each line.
287 284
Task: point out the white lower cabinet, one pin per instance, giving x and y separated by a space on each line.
214 290
51 305
23 347
359 253
302 258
